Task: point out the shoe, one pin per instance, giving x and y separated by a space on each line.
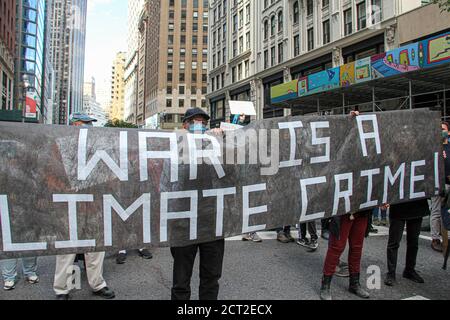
342 270
105 293
145 254
313 245
355 287
291 238
121 258
325 234
9 285
413 276
282 237
252 237
325 290
436 245
390 280
62 297
303 242
32 279
376 222
373 230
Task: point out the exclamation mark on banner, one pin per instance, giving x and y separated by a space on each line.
436 173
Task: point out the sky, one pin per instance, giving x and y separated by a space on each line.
106 34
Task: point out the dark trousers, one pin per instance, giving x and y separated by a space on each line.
285 229
311 226
396 229
211 259
354 231
325 224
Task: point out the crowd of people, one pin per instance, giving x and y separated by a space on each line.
351 229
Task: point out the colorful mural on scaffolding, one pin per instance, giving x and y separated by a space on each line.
424 54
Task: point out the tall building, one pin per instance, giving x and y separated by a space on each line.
30 70
265 43
117 108
132 59
90 104
67 48
175 59
7 53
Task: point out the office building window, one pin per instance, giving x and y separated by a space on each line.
348 26
310 39
326 32
361 8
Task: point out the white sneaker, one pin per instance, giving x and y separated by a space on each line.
252 237
33 279
9 285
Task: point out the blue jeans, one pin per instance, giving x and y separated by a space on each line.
376 211
9 268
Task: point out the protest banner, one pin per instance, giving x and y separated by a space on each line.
71 189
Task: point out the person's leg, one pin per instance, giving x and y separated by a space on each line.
183 263
356 243
94 270
312 229
9 270
413 228
303 231
29 266
62 273
211 261
325 233
435 223
336 247
375 216
395 236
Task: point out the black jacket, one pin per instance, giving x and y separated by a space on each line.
410 210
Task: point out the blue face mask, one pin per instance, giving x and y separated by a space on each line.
197 128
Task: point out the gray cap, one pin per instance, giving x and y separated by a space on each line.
83 117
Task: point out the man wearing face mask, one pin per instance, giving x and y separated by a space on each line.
435 220
211 254
93 261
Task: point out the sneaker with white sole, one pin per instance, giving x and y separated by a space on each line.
252 237
9 285
32 279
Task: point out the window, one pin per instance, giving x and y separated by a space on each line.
235 23
325 3
280 21
361 7
169 103
376 11
241 18
266 29
280 53
241 44
235 50
310 39
240 71
247 41
309 7
348 27
272 56
181 103
233 74
266 59
247 69
272 26
326 32
296 12
296 45
247 13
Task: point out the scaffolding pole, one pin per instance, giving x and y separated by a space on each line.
410 95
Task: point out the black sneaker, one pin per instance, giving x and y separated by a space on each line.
145 254
105 293
390 280
121 258
303 242
413 276
313 245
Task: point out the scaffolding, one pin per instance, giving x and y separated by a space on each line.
425 88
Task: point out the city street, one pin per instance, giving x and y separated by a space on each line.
254 271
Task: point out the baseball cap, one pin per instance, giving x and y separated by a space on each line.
83 117
193 112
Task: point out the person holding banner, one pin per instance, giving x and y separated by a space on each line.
93 261
211 254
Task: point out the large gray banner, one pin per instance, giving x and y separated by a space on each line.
71 189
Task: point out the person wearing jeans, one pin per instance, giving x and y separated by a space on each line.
9 271
410 214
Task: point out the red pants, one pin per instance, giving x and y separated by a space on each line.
354 231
